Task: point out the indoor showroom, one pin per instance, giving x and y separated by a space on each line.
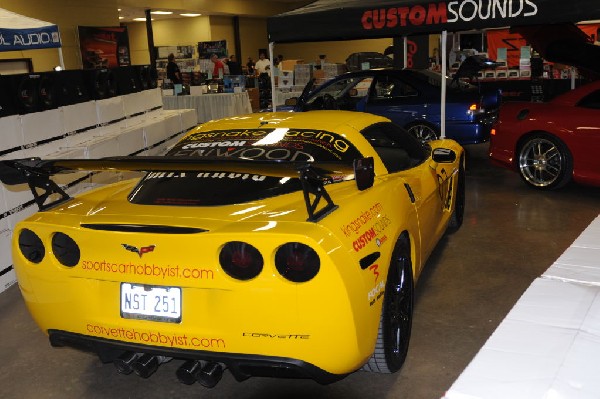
300 199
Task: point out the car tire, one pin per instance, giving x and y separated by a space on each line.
456 219
423 131
396 316
544 162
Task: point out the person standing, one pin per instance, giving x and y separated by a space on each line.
250 66
173 72
219 68
263 65
234 66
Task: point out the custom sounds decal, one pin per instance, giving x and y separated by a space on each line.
375 222
447 13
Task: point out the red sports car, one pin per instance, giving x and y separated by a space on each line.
551 143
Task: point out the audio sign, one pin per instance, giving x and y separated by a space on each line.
25 39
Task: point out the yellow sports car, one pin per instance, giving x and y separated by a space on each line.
272 244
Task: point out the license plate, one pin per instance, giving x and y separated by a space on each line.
150 302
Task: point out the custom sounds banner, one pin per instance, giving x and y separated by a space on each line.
104 47
356 19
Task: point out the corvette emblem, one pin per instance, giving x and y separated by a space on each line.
139 251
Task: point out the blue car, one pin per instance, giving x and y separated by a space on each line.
411 99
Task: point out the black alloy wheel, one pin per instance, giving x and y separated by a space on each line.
458 214
396 317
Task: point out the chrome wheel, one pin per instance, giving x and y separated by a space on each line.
544 162
423 132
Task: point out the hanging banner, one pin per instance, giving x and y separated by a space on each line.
359 19
104 47
512 42
28 39
218 47
26 33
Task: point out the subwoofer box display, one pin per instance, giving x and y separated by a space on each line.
30 92
128 80
147 76
101 83
69 87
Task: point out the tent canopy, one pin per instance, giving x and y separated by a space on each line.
18 32
326 20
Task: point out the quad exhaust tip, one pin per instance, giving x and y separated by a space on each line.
208 374
143 364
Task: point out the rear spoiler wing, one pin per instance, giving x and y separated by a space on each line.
313 176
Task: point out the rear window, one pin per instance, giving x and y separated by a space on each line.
221 188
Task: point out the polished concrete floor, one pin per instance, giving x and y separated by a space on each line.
511 235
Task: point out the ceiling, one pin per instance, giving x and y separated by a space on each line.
128 13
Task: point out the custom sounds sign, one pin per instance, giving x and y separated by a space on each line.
354 19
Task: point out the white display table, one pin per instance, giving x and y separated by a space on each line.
211 106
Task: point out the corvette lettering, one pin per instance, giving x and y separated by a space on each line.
446 12
140 251
276 336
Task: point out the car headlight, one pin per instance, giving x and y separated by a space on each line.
241 260
297 262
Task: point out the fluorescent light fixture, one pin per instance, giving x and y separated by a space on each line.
161 12
189 14
142 19
121 17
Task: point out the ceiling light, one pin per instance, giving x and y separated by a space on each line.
142 19
190 15
161 12
118 9
121 17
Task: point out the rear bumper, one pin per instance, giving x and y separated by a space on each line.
468 132
242 366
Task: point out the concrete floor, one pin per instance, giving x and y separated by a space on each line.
511 235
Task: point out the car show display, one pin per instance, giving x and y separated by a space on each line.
550 144
410 98
284 206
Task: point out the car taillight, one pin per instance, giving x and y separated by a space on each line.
297 262
65 249
31 246
240 260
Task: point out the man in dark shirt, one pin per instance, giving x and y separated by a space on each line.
234 66
173 72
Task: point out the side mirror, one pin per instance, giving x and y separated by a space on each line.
443 155
291 101
364 172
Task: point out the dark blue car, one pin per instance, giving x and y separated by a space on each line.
411 99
